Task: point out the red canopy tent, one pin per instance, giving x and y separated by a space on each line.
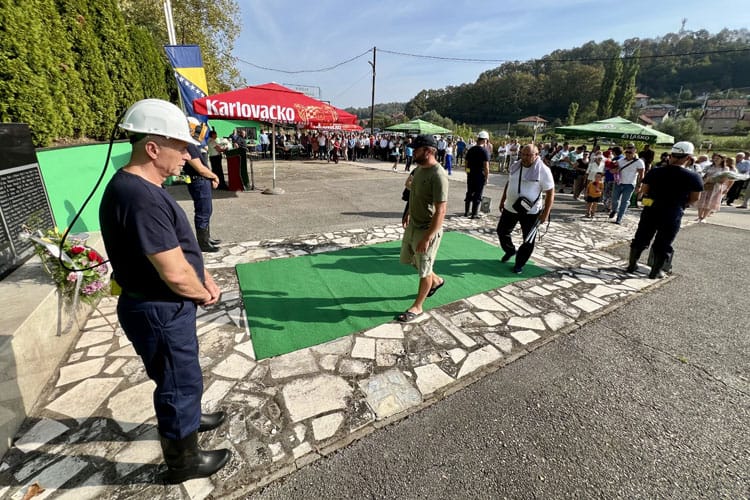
272 103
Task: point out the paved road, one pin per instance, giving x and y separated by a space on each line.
319 197
650 401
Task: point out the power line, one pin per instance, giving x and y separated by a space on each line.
492 61
294 72
572 59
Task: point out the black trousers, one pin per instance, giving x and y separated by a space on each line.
217 169
734 191
505 226
662 227
474 189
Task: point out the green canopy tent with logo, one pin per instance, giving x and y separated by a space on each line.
418 126
616 128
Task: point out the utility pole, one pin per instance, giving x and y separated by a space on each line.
372 104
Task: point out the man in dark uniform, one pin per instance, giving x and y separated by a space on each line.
666 192
159 266
202 180
477 173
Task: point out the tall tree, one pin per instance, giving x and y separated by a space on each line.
612 75
153 64
210 25
96 86
572 113
25 93
625 96
114 43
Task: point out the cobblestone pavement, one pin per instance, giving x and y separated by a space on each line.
93 433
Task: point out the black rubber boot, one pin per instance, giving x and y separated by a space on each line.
633 260
213 241
656 269
186 461
474 208
204 242
466 208
210 421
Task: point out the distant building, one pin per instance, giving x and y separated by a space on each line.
641 100
534 122
645 120
656 114
721 116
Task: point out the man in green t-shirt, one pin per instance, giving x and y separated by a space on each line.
423 223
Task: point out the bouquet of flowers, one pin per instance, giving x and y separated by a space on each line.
728 175
82 272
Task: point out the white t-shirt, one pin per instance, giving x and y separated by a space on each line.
596 165
629 175
532 186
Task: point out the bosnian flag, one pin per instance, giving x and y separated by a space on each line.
191 78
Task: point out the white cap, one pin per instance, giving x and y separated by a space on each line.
483 135
683 148
157 117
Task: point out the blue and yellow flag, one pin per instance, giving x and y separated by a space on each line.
188 70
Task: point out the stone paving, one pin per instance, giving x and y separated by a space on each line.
93 433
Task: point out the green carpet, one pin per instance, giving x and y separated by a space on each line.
304 301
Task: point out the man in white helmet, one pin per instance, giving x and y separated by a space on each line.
159 266
666 191
477 174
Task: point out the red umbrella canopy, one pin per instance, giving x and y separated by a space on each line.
270 102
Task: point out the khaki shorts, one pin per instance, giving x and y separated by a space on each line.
421 261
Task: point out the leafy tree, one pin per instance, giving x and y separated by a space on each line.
417 105
433 116
210 25
612 76
96 86
24 68
682 129
625 95
572 112
63 80
523 131
153 64
114 43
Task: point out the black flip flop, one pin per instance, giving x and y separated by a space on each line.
407 316
435 289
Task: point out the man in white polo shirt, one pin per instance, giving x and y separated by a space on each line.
630 172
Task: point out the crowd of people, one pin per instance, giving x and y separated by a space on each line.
621 170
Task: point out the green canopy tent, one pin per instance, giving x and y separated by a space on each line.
418 126
616 128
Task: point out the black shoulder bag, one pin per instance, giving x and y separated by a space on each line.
522 205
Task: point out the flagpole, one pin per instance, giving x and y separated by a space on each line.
170 22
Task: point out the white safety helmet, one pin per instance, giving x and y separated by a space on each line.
157 117
483 135
683 148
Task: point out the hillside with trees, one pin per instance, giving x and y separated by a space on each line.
596 80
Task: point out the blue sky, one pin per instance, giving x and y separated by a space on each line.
295 35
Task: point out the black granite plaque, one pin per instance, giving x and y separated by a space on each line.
16 148
23 198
